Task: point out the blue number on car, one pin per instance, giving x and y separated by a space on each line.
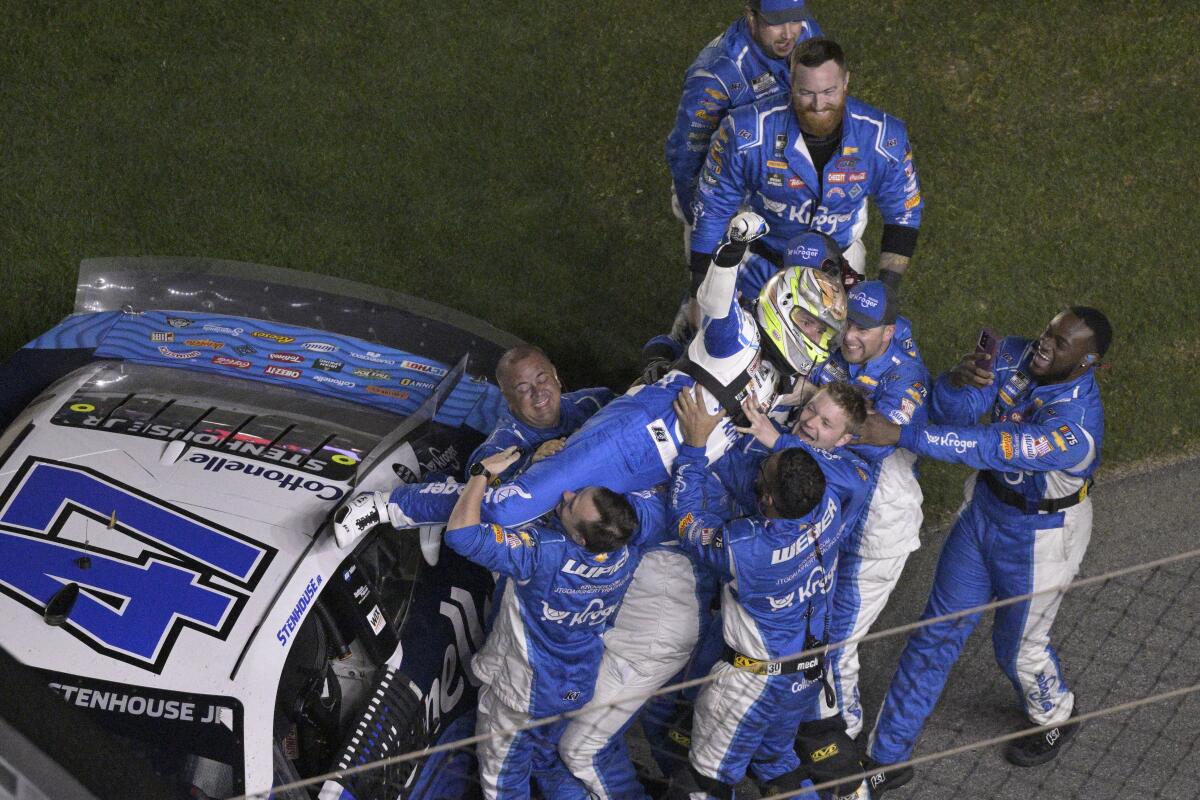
130 606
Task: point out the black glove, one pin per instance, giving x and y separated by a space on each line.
654 370
828 754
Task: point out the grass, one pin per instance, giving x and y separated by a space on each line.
509 164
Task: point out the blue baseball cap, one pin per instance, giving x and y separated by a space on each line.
871 304
812 249
779 12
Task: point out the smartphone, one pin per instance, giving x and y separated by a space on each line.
985 348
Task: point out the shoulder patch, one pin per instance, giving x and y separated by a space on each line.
1067 435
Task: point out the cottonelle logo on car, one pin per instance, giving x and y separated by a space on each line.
338 382
281 479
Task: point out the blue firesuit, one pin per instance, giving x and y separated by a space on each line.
776 573
631 443
666 610
758 158
541 656
648 650
1024 529
576 408
873 556
731 71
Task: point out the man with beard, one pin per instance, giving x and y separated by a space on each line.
747 63
1023 530
811 164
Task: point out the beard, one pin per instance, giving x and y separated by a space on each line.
821 123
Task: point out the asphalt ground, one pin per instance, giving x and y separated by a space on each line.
1121 640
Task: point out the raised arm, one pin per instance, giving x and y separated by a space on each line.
489 545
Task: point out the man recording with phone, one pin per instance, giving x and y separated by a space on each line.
1023 530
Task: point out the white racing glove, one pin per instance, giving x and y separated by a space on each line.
358 516
743 229
746 227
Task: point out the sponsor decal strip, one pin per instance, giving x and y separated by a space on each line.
300 358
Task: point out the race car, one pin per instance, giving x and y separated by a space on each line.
174 453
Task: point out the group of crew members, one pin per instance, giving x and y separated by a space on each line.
744 511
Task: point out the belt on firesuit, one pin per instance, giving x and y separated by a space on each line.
812 667
759 667
1029 505
759 249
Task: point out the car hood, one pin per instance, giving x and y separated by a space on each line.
183 507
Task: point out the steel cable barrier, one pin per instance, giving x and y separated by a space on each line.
1131 640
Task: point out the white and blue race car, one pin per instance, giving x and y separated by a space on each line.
174 453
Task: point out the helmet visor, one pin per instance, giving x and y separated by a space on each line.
814 329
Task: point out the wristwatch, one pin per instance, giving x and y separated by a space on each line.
479 469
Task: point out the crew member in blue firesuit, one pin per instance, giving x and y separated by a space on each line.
537 421
666 609
810 164
747 63
539 416
776 567
560 581
878 354
1024 529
